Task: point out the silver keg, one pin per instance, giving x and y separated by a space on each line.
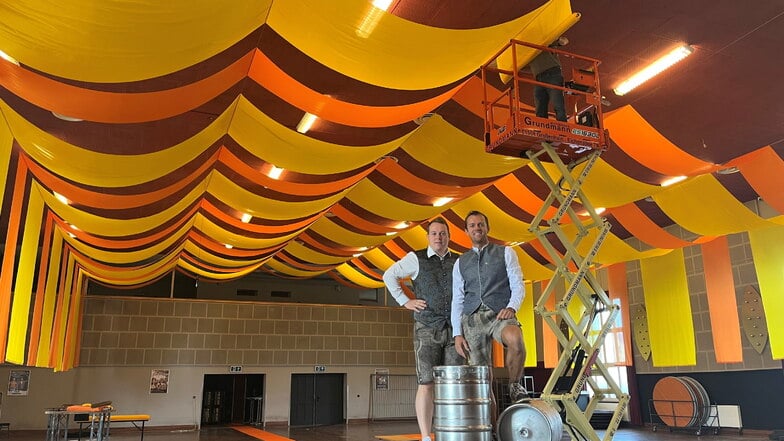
462 403
534 420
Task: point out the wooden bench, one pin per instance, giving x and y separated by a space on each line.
137 421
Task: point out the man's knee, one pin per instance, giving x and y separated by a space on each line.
513 338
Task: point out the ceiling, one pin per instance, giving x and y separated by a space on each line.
160 122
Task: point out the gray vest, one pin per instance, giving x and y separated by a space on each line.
433 284
485 278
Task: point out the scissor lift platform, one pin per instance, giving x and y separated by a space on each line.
527 131
512 127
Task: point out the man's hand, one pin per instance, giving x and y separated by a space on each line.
461 346
506 313
416 305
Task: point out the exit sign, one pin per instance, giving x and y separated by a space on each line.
235 368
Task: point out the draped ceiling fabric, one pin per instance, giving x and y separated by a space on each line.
136 135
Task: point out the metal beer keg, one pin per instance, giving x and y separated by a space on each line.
534 420
462 403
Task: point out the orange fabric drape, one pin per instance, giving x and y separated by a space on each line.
618 289
763 169
9 255
498 354
723 308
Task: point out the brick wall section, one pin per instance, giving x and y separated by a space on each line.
153 332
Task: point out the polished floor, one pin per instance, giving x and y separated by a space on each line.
368 432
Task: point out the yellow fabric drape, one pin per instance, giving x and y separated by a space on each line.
767 247
703 206
393 57
607 187
669 311
358 278
23 286
551 21
526 318
117 41
50 302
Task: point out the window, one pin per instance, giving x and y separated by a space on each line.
613 352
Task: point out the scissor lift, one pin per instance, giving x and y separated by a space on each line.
513 129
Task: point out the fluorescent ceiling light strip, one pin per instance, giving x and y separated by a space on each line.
654 69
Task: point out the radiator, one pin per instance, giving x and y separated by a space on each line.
394 398
725 415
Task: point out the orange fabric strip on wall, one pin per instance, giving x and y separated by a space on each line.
723 308
9 255
498 354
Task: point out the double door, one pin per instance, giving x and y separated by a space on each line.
317 399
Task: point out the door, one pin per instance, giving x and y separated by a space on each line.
317 399
232 399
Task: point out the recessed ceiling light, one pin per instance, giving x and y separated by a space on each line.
672 180
246 217
373 16
61 198
8 58
66 117
423 119
728 170
402 225
306 122
440 202
229 246
275 172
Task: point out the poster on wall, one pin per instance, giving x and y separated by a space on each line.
382 379
18 382
159 381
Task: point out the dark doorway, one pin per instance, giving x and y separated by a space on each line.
232 399
317 399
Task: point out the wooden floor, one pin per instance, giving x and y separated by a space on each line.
367 432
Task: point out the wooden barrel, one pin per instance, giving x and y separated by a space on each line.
462 403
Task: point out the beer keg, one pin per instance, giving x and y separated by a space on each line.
462 403
534 420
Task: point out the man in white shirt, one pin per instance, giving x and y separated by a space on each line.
430 271
487 292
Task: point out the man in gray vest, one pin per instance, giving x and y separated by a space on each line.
487 292
430 271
